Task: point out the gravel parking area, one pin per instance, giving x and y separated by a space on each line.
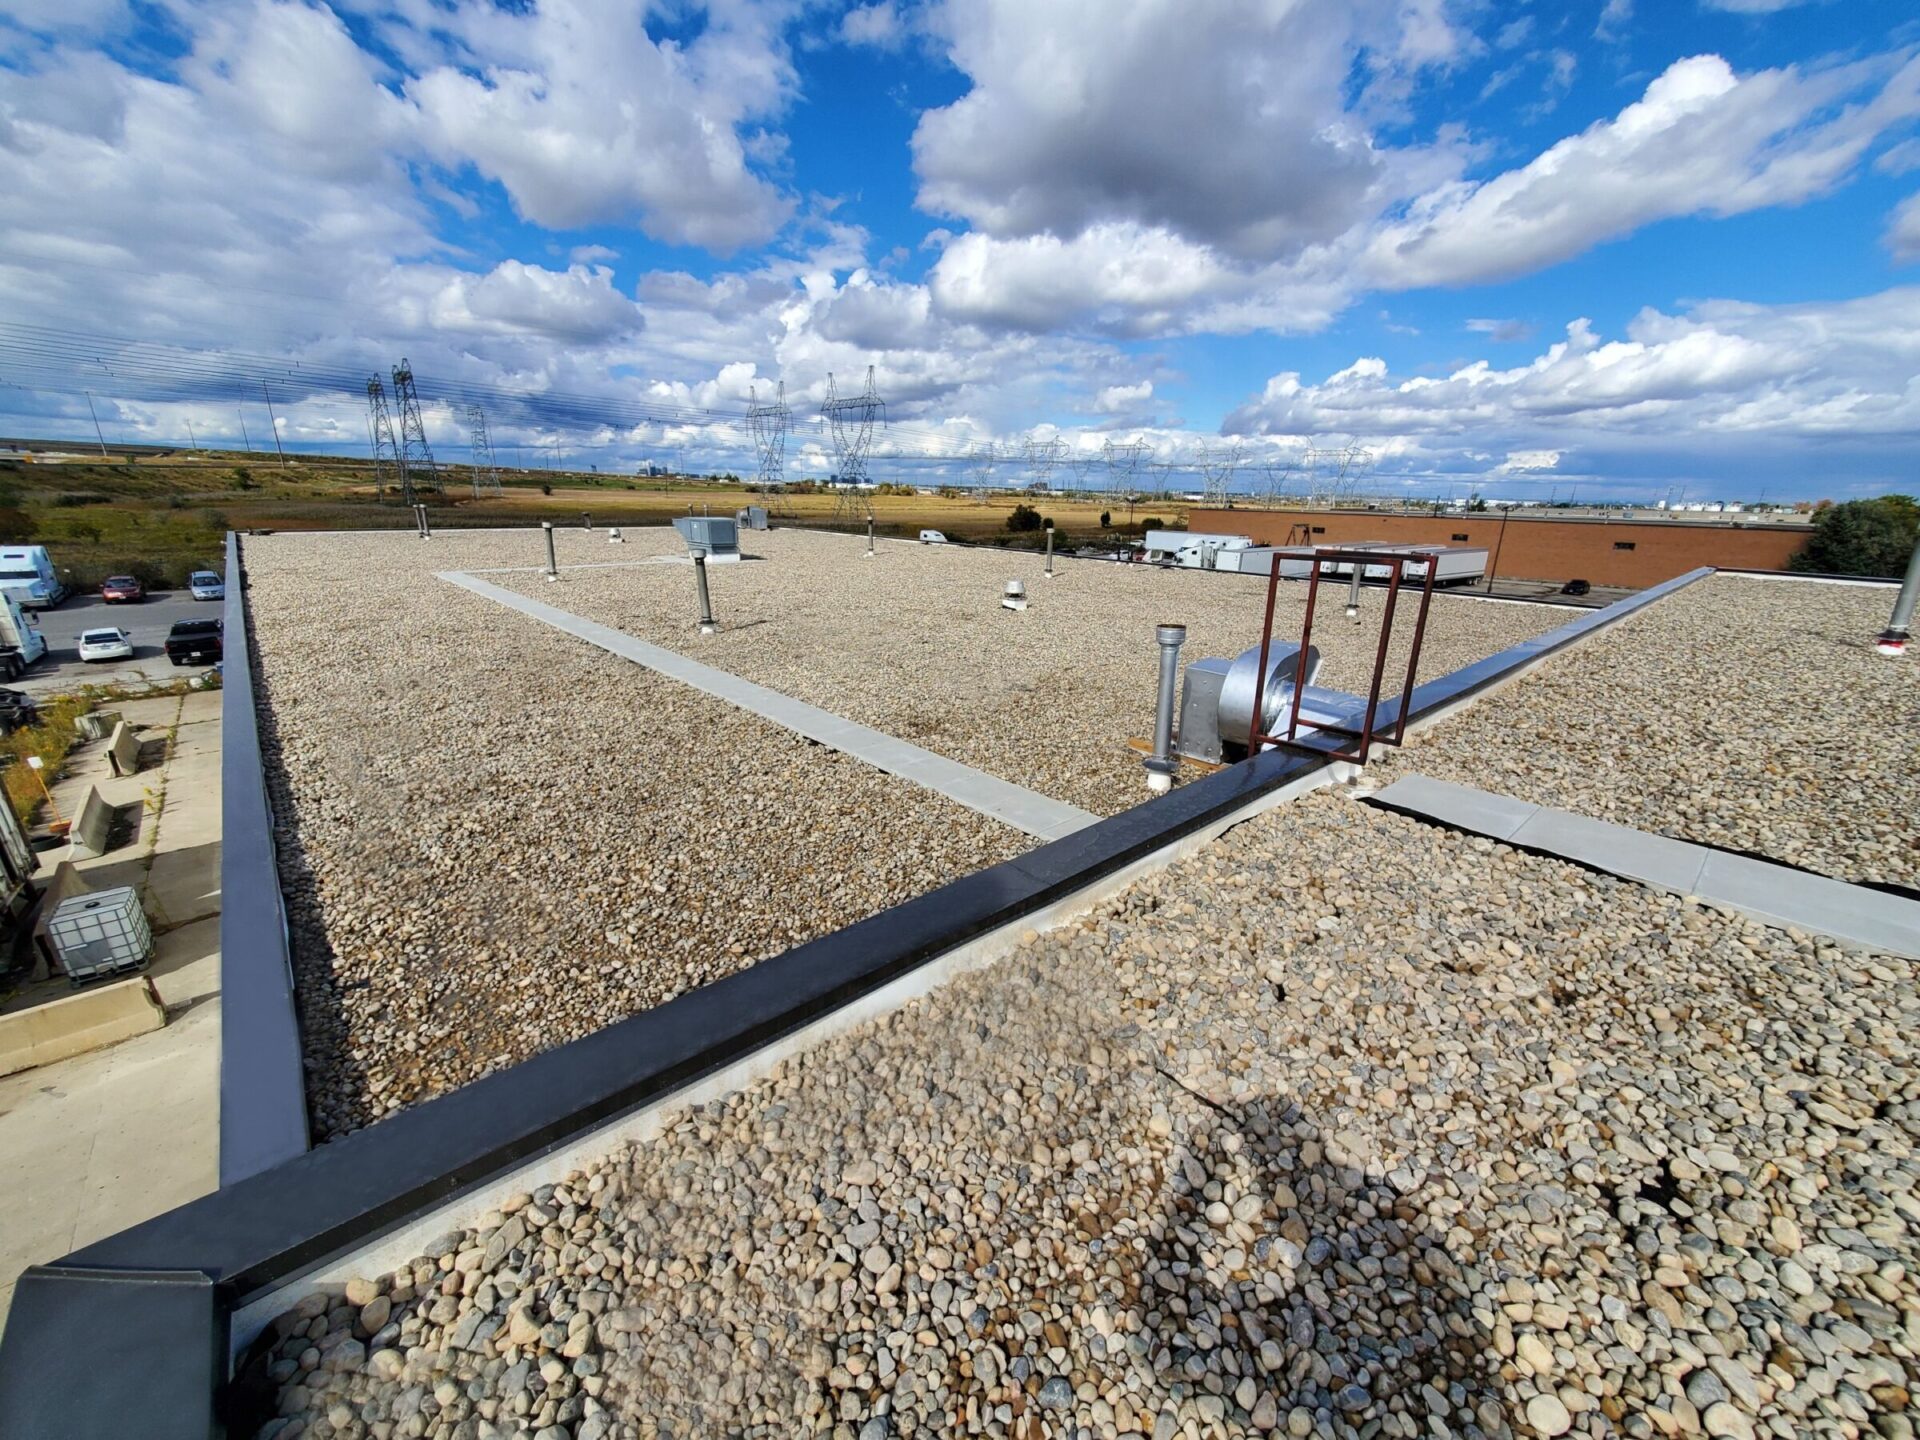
914 641
1345 1126
494 838
1747 713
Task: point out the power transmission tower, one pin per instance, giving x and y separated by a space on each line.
981 460
768 424
486 475
1123 464
850 421
1042 457
387 466
416 456
1279 472
1218 466
1335 469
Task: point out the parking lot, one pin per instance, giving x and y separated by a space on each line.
147 622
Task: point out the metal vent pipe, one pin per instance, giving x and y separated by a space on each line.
1162 764
1893 639
553 570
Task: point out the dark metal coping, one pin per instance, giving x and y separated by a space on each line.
263 1102
261 1231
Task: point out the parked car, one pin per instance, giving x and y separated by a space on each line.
1576 587
105 645
17 708
121 589
932 537
195 642
205 585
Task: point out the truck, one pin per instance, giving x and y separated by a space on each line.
27 574
196 641
21 642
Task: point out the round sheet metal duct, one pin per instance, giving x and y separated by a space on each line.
1236 691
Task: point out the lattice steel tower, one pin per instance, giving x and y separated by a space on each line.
1219 466
850 420
486 474
768 425
416 456
1042 457
387 469
1123 464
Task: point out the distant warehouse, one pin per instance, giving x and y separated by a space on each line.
1628 553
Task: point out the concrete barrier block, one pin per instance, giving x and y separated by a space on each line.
123 750
92 822
75 1024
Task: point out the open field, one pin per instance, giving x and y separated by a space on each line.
1745 713
163 515
914 642
1344 1126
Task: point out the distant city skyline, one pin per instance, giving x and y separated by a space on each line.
1507 248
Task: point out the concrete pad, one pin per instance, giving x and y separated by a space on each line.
1480 811
1853 913
97 1016
1651 859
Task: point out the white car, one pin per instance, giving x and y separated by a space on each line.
105 645
205 585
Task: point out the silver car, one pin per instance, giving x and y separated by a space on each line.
205 585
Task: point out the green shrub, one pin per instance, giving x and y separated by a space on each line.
1861 537
1024 520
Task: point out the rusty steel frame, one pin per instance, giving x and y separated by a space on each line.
1257 738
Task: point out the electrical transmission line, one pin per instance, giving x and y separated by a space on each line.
1218 466
486 475
1042 457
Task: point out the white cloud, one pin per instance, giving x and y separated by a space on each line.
878 25
1903 230
1505 331
1123 399
585 119
1751 7
1614 16
1227 125
1721 386
592 254
1525 462
1700 141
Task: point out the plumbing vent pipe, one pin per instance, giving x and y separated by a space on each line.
707 627
1015 596
869 537
553 570
614 537
1162 764
1893 639
1049 549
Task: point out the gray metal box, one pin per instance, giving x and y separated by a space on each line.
715 536
101 933
751 517
1200 709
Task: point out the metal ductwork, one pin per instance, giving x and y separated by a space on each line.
1216 704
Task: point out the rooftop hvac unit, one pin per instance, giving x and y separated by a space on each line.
101 933
717 537
751 517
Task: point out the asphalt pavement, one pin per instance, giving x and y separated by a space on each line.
147 621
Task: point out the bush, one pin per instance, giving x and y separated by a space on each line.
546 489
1024 520
1861 537
51 739
242 478
1106 520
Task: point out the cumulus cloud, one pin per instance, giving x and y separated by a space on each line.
1227 125
585 118
1700 141
879 26
1724 387
1123 399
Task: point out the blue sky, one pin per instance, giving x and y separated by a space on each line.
1516 248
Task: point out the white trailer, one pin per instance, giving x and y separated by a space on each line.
1195 552
21 642
27 574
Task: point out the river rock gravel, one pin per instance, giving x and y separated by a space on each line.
914 641
1747 713
494 838
1343 1126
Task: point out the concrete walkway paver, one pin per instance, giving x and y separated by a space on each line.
1776 894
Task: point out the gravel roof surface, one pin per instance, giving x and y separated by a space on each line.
914 642
1347 1126
1747 713
494 838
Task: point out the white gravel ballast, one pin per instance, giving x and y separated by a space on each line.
1344 1126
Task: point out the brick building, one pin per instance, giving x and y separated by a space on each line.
1627 553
